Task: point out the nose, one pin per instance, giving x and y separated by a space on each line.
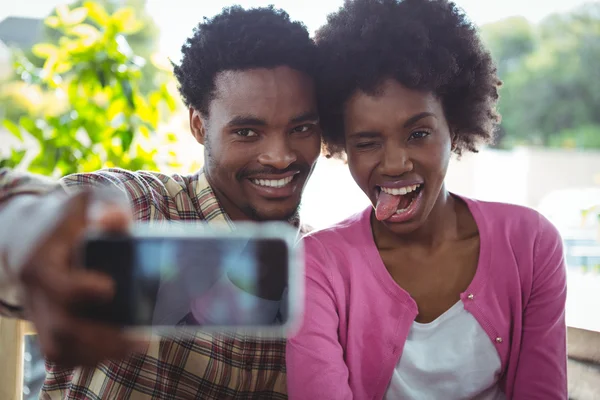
396 160
277 153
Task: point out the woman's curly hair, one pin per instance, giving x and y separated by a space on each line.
425 45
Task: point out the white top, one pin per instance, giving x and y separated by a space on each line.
450 358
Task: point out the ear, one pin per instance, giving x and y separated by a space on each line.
453 140
197 125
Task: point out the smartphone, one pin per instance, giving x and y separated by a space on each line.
185 277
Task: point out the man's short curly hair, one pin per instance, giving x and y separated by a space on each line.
426 45
240 39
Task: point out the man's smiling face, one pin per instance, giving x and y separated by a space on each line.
262 139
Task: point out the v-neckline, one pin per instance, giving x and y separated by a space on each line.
393 289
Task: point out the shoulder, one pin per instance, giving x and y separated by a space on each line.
334 251
515 221
344 234
135 183
521 234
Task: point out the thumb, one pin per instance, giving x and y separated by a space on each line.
74 215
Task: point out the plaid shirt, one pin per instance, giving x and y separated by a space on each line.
209 366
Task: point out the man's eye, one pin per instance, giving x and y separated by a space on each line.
246 133
302 128
418 135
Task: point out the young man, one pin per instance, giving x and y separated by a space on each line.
246 76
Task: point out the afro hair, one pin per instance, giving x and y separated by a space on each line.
427 45
240 39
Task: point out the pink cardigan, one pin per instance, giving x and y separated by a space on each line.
357 318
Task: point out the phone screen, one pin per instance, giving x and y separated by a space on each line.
183 281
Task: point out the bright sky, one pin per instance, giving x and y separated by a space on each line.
176 18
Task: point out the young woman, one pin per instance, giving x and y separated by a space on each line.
427 295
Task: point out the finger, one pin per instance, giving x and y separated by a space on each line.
73 287
74 217
113 218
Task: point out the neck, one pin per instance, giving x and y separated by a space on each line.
233 212
441 224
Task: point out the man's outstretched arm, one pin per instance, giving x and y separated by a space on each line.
42 224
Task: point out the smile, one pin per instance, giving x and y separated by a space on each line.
276 186
274 183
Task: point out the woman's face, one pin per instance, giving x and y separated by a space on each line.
398 144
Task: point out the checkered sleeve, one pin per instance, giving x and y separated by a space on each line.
151 196
14 183
21 187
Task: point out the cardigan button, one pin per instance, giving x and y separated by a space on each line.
471 296
498 339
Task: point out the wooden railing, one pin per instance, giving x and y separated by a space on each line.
12 345
12 342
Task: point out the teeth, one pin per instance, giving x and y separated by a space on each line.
401 210
400 191
274 183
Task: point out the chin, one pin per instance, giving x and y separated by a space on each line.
402 228
266 213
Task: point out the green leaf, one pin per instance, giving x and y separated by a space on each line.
44 50
52 21
128 92
171 137
126 140
16 156
29 125
85 31
62 67
48 69
145 131
115 108
13 128
96 13
76 16
63 12
125 21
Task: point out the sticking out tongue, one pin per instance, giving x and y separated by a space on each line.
387 205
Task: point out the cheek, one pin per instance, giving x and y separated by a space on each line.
309 148
434 160
360 168
230 158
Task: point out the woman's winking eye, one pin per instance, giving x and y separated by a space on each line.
364 145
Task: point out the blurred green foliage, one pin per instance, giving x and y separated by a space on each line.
551 91
94 110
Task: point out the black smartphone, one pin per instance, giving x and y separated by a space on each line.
190 277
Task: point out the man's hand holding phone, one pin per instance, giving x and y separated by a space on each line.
54 287
82 311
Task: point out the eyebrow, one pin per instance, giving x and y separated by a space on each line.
417 118
409 122
250 120
364 135
247 120
304 117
